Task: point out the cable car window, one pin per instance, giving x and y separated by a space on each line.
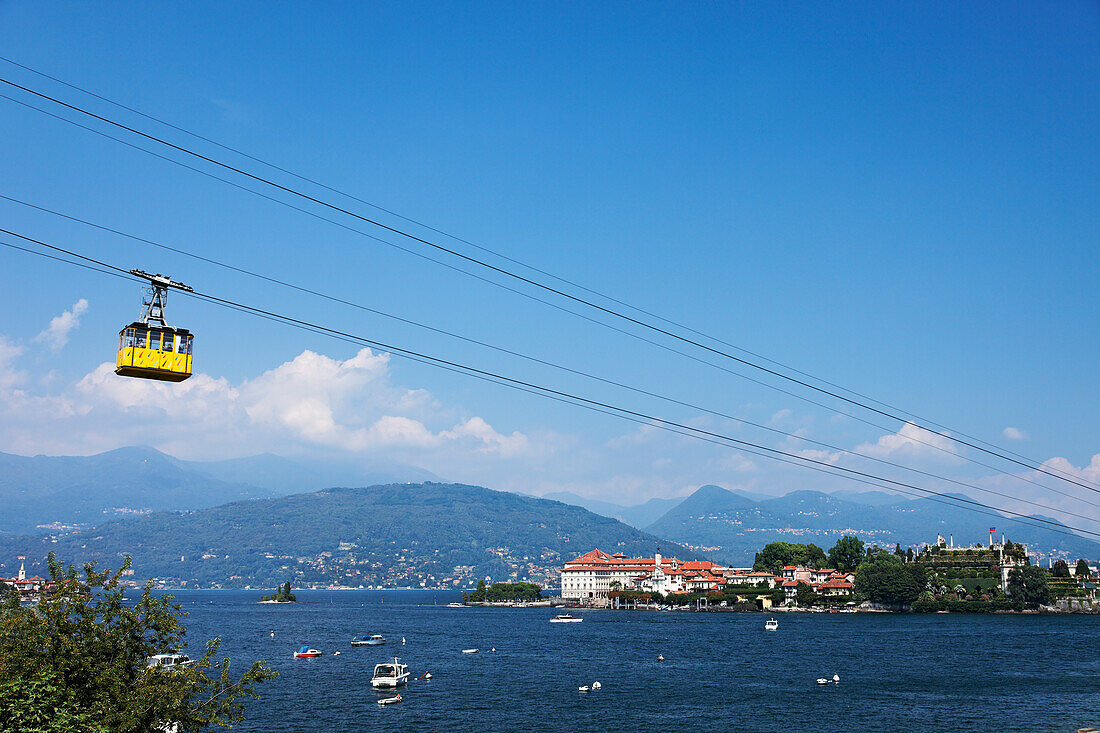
139 339
168 339
154 339
128 338
185 344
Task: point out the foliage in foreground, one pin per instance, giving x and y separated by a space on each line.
77 662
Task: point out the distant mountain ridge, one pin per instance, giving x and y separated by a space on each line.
88 490
732 527
393 535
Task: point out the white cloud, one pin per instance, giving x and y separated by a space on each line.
56 334
1014 433
911 441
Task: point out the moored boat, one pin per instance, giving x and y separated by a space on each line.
390 674
565 618
771 624
306 651
376 640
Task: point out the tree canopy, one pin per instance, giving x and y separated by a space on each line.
1029 584
846 554
885 579
1060 569
78 661
1083 569
777 554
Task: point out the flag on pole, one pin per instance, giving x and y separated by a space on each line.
992 530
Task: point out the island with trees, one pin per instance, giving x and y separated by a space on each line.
283 595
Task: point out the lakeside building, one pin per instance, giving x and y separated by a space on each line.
590 577
29 588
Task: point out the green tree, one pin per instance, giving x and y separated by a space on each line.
775 555
898 552
885 579
1083 569
909 555
1028 584
77 661
925 603
1060 569
846 554
805 595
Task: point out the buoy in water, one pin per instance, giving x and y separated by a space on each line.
493 649
402 641
836 678
596 685
427 675
660 657
273 634
336 654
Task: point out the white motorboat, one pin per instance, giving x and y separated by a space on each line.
390 674
822 681
169 661
456 605
389 700
771 624
565 618
469 651
376 640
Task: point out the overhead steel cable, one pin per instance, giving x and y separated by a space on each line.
948 501
570 370
633 415
501 255
521 293
1031 465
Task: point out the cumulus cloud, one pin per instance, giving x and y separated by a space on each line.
911 441
56 335
311 400
1014 433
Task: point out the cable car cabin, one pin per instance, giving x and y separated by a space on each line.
154 352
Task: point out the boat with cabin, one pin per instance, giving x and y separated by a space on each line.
168 661
565 618
771 624
305 652
375 640
390 674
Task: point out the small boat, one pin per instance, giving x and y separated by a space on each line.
168 661
583 688
389 700
306 651
456 605
565 618
771 624
822 681
390 674
376 640
469 651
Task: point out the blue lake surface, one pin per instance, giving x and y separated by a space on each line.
722 671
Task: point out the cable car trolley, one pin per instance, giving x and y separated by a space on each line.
150 348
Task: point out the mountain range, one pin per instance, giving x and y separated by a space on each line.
731 527
426 534
49 492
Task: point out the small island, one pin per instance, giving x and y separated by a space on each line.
283 596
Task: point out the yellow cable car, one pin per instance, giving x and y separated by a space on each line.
150 348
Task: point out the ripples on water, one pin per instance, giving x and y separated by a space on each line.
722 671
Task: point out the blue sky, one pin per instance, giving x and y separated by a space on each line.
900 199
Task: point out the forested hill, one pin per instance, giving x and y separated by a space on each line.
441 535
732 527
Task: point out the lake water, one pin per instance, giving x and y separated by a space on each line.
721 671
